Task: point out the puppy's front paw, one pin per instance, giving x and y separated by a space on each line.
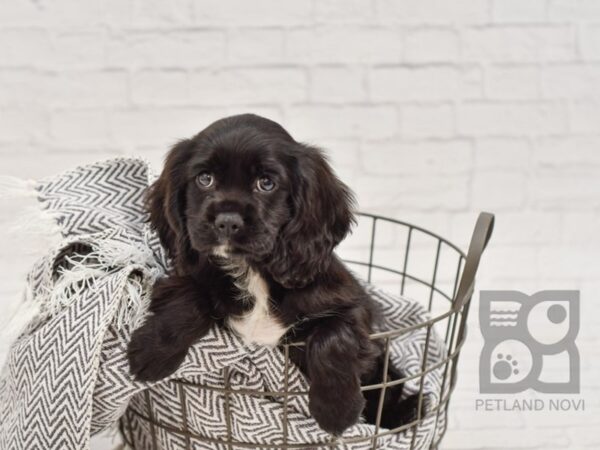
149 358
406 410
336 406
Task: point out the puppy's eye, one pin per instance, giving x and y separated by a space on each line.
265 184
205 180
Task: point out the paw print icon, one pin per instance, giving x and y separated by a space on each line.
529 342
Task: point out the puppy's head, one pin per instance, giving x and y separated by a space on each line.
244 187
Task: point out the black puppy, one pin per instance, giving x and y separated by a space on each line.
250 218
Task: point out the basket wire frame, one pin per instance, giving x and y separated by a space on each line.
455 319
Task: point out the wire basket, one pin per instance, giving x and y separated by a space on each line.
397 257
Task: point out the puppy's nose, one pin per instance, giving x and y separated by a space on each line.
228 224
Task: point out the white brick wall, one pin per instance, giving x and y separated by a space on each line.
432 110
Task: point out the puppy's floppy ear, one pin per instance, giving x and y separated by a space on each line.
321 217
165 201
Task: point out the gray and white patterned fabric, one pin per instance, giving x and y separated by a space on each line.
67 377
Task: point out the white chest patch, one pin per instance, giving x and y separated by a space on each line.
257 325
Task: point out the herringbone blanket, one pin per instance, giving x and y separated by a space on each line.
67 376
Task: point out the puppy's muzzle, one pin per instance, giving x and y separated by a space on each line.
228 224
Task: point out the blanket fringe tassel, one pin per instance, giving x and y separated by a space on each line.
82 272
32 230
11 187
